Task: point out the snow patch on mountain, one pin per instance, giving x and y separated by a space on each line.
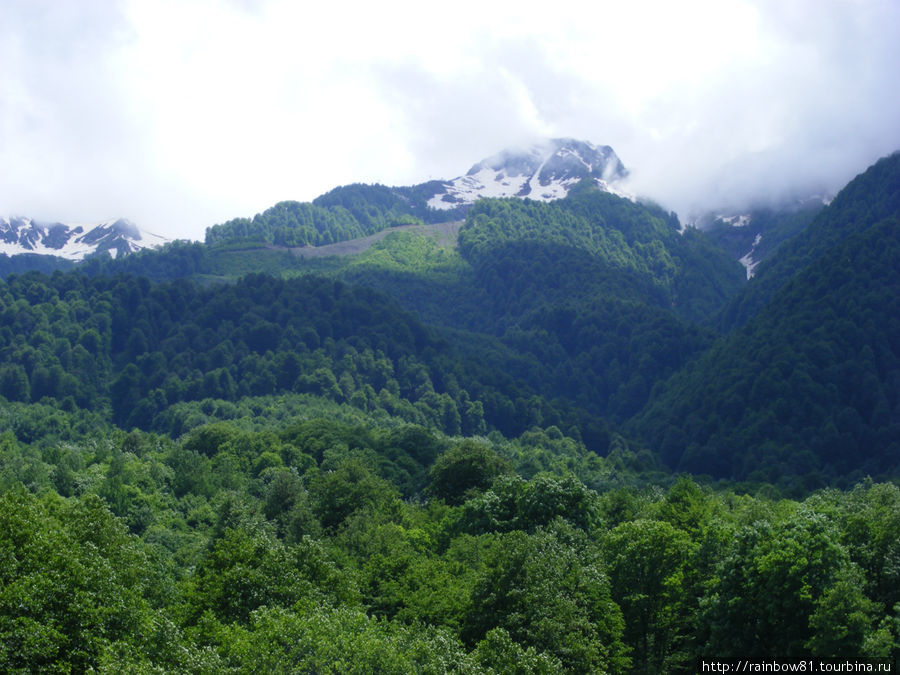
736 221
544 172
747 260
74 241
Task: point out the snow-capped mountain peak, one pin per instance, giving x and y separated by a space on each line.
542 172
73 241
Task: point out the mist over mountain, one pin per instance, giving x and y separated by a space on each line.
544 171
748 228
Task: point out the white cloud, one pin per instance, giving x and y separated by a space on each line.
182 114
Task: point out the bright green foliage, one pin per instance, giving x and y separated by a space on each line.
871 533
686 506
514 504
550 592
843 620
245 569
289 505
344 213
349 487
583 300
316 638
289 224
401 578
370 204
637 240
71 583
577 223
316 560
257 338
648 561
498 652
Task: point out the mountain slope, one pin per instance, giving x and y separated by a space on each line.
546 172
811 384
688 275
135 351
869 198
753 236
589 298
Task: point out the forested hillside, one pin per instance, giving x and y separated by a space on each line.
344 213
27 262
456 456
135 348
590 300
810 385
754 236
868 199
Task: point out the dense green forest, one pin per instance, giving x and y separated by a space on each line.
354 546
588 302
573 439
868 199
344 213
810 384
27 262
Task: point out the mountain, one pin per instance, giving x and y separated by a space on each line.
596 300
806 382
587 301
543 172
591 298
593 309
752 235
867 199
457 444
73 242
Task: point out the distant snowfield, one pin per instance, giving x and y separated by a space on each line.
497 184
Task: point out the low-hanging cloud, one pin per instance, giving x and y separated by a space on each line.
182 114
815 106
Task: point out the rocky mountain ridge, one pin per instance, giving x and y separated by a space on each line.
73 242
544 172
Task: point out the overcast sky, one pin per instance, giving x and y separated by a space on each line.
179 114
